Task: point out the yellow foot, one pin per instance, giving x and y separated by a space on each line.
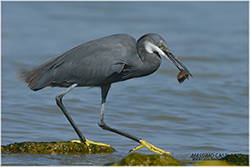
90 142
150 147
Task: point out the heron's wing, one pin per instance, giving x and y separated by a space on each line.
91 63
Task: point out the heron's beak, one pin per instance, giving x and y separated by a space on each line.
173 59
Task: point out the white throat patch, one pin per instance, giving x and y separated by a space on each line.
150 48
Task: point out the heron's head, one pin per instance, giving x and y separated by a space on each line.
154 43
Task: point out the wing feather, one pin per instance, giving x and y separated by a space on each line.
88 64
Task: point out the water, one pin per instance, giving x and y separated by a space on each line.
208 114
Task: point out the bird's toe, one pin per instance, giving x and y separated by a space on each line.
150 147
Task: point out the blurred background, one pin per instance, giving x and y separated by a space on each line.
207 114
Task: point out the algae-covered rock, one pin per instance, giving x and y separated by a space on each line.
54 148
137 159
237 159
213 163
229 160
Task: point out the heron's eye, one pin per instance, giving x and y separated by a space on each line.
161 46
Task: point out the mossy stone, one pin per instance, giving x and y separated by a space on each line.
237 159
137 159
54 148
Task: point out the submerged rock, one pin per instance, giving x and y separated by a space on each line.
212 163
54 148
137 159
134 159
237 159
228 160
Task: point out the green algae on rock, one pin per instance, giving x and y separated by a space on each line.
54 148
212 163
229 160
237 159
137 159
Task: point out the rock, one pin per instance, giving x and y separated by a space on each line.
237 159
54 148
137 159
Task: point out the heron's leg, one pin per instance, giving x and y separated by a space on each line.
79 133
104 126
65 112
101 122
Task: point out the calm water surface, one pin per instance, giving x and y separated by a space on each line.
208 114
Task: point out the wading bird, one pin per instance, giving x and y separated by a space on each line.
99 63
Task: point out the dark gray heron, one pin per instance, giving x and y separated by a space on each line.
99 63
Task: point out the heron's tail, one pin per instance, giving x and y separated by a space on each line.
38 77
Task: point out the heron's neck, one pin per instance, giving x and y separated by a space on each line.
150 62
